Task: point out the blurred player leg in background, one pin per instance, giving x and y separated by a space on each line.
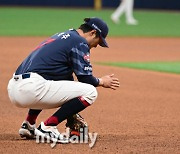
126 6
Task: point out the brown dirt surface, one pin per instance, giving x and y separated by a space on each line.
142 116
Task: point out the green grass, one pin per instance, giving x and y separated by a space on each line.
169 67
47 21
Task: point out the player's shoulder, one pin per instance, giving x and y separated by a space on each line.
73 39
75 35
80 42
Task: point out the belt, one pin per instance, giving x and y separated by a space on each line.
22 76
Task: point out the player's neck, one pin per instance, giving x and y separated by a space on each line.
81 33
84 35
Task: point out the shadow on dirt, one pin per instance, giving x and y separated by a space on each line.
11 137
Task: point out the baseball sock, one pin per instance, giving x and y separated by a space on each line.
69 108
32 116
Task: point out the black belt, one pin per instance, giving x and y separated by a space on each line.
24 76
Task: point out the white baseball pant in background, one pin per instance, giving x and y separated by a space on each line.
126 6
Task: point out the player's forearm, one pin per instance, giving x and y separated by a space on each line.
88 79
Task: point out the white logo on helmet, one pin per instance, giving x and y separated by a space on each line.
96 27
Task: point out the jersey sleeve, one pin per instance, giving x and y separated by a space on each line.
80 60
88 79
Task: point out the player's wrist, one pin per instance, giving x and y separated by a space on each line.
100 82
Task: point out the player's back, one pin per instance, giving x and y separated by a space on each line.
51 58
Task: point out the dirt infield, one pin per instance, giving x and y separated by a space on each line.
142 116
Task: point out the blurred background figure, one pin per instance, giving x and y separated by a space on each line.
125 6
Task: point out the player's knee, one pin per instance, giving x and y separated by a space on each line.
91 95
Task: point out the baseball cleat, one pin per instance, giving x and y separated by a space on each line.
132 22
50 133
115 19
27 130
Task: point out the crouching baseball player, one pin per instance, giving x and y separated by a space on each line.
44 80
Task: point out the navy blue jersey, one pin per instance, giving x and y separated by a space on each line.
59 56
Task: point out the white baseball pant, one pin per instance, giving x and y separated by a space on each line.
36 92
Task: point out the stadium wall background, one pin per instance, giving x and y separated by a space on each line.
139 4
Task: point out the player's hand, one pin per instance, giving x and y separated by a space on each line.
109 81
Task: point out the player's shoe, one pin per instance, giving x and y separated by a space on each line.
50 133
115 19
132 21
27 130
